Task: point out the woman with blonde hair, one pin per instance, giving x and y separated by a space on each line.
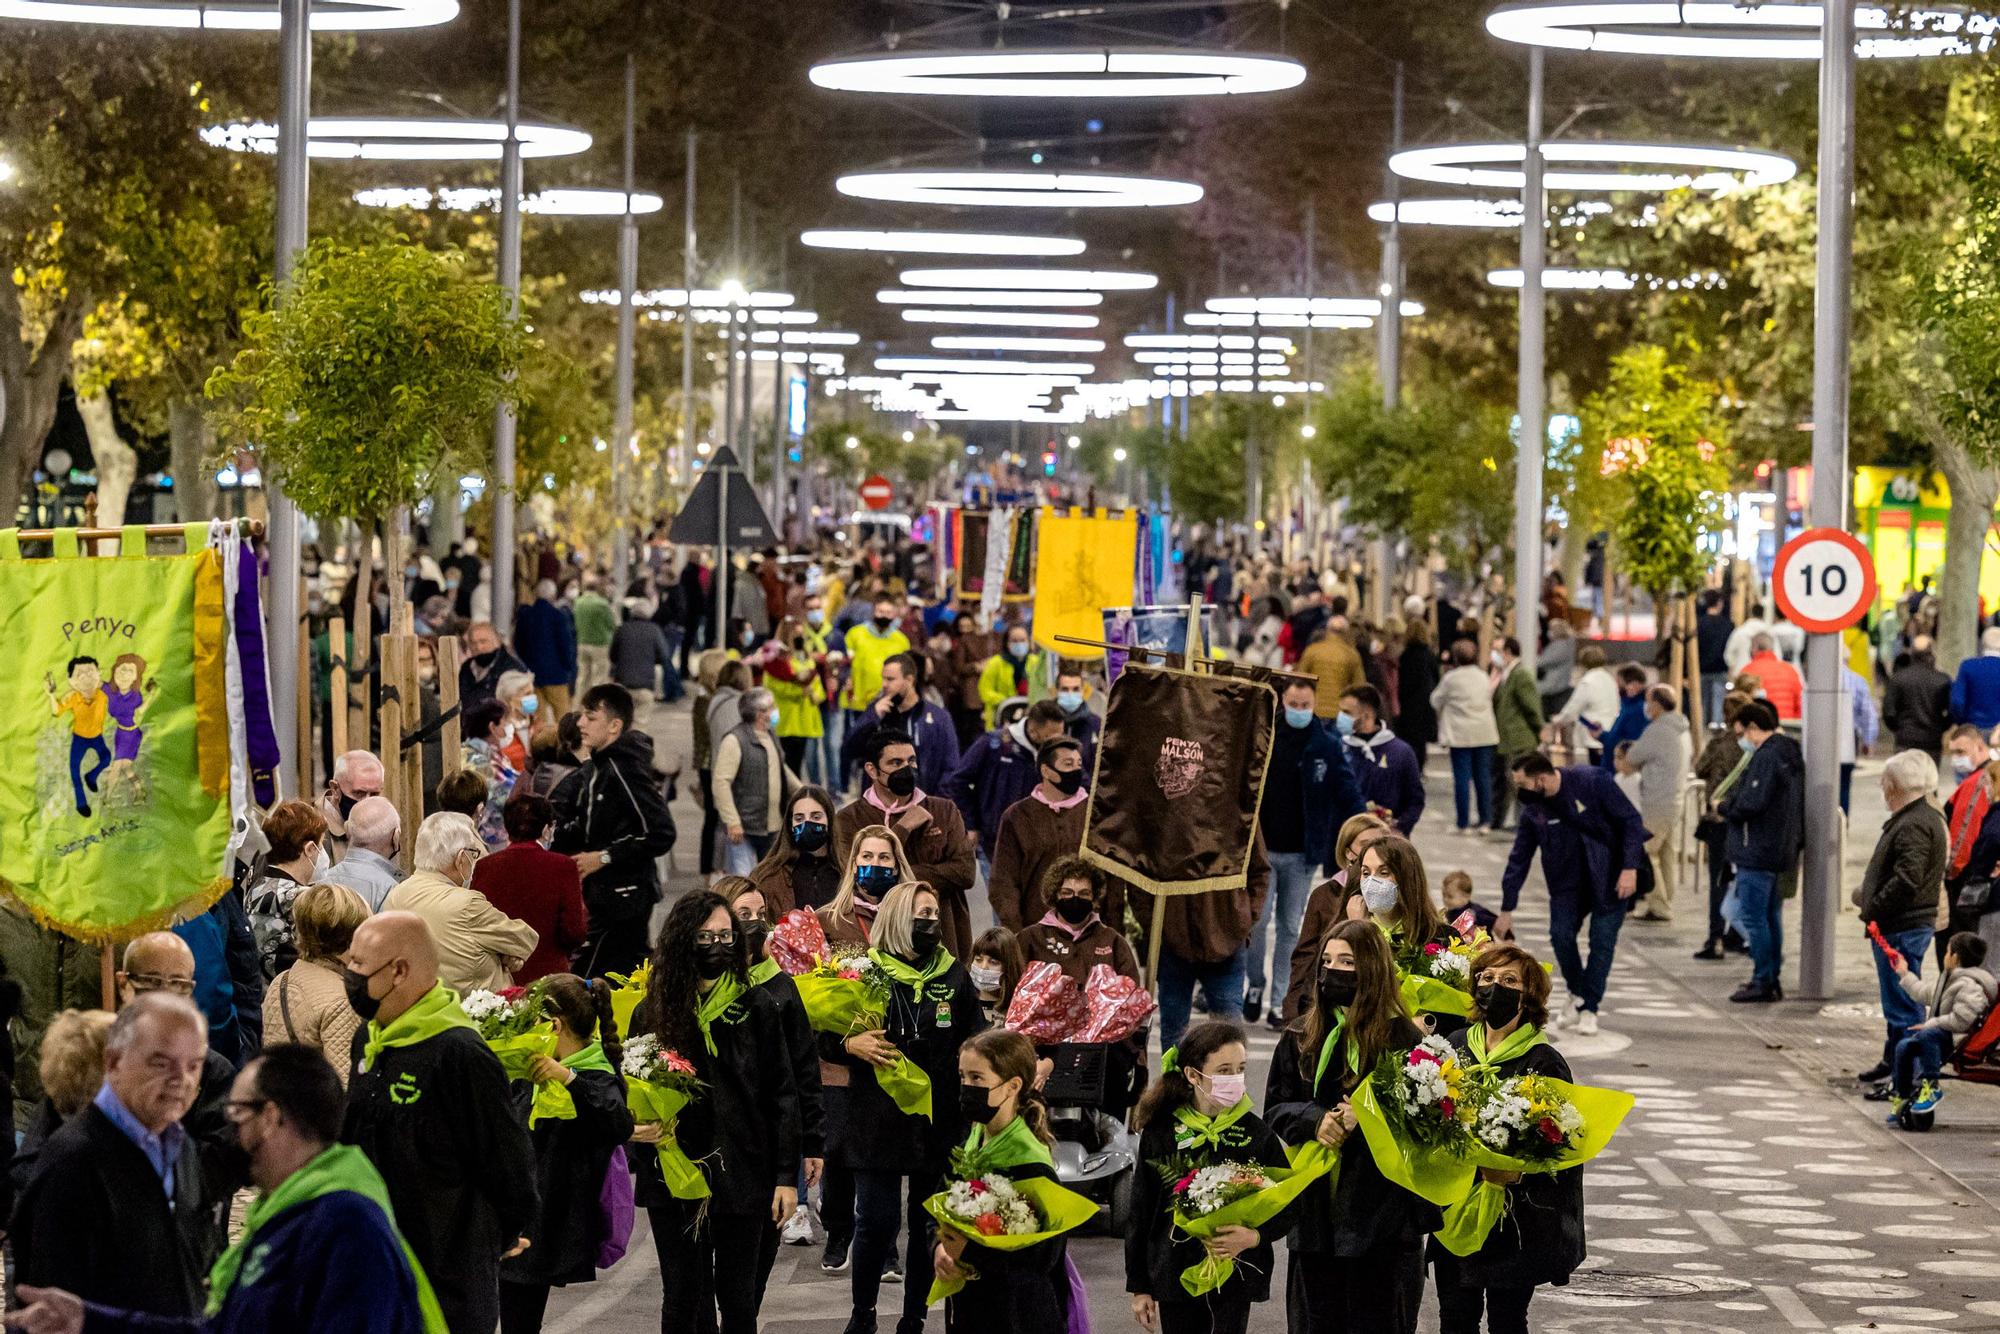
876 864
307 1003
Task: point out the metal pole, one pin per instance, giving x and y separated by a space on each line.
628 316
687 320
282 536
722 571
735 314
746 425
780 382
1389 337
1312 291
1532 404
505 425
1832 315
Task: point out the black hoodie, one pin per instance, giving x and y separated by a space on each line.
614 805
1766 809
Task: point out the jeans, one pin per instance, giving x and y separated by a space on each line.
1714 689
1919 1057
742 858
878 1197
1846 785
1472 775
1899 1009
1221 991
1506 1310
826 768
1291 883
1760 914
79 747
1566 917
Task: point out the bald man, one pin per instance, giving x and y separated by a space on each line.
428 1103
374 841
357 776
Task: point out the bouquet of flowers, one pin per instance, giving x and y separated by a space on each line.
514 1025
1048 1006
848 996
1417 1112
1004 1215
1528 1124
1437 977
627 990
1114 1006
798 942
659 1082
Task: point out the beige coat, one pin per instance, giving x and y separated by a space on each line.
478 945
307 1004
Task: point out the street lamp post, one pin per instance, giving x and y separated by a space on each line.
628 315
687 318
1532 403
1388 337
282 521
505 425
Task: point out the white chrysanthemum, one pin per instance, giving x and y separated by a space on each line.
480 1004
1454 964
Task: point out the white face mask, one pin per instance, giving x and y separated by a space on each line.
1378 894
984 979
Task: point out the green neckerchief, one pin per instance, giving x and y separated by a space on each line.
910 975
340 1167
588 1058
1326 1049
437 1011
1519 1042
1208 1129
728 989
1016 1146
765 970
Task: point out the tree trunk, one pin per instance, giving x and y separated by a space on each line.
1975 487
194 469
117 462
30 384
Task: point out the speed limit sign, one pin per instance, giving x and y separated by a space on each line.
1824 580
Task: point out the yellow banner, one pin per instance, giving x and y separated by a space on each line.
1085 564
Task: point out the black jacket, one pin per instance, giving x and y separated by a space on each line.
1017 1292
1540 1238
873 1134
747 1128
614 805
803 1051
1916 706
570 1159
1416 678
478 678
95 1221
1766 809
1711 637
1906 873
1155 1253
435 1119
1364 1212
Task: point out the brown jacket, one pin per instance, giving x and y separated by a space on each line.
1032 838
803 882
1322 915
1209 928
968 658
1099 944
940 853
1333 662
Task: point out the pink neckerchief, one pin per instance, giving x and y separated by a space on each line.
1049 918
1071 800
868 795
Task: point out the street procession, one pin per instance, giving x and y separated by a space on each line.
999 666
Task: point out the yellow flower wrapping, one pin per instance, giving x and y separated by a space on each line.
843 1007
1060 1208
650 1103
1468 1222
1310 1162
1427 995
1435 1175
626 995
517 1053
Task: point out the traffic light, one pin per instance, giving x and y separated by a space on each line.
1049 463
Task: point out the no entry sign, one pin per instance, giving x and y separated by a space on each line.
877 493
1824 580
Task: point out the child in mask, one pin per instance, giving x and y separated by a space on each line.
1198 1115
996 969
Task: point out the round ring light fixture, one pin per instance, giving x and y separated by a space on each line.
1002 319
1726 30
404 138
234 15
1018 189
559 203
941 243
893 296
1045 280
1597 167
1164 72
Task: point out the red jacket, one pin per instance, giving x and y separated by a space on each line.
542 888
1782 686
1966 811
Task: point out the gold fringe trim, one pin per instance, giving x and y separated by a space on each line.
191 907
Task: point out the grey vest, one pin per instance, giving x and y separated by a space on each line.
752 788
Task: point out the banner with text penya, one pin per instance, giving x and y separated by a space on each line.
116 800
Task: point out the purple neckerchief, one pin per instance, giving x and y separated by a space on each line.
1049 918
261 737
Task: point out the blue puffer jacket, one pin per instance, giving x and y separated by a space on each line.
996 772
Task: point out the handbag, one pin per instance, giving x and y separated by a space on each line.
1974 896
614 1210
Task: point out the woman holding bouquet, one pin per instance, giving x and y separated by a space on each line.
800 870
1198 1115
1018 1292
1540 1237
745 1129
930 1010
1397 897
1357 1250
571 1154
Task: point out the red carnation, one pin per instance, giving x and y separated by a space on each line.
976 1186
989 1225
1550 1130
1181 1186
1445 1106
1434 948
1421 1056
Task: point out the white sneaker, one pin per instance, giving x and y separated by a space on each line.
1586 1024
803 1228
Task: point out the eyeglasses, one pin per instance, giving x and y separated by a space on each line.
714 937
242 1109
180 986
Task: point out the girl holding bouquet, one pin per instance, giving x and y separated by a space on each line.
930 1009
753 924
1198 1115
876 863
1396 894
1357 1249
1023 1291
1540 1237
571 1154
745 1129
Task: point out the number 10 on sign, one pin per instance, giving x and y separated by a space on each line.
1824 580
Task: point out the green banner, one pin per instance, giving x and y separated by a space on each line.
114 804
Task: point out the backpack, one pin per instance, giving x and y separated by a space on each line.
614 1210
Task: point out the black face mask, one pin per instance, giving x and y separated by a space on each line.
925 935
1069 784
1501 1005
753 934
1074 911
712 961
346 804
882 624
1336 987
809 836
232 1160
358 998
903 782
974 1104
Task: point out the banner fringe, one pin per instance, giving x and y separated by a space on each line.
187 909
